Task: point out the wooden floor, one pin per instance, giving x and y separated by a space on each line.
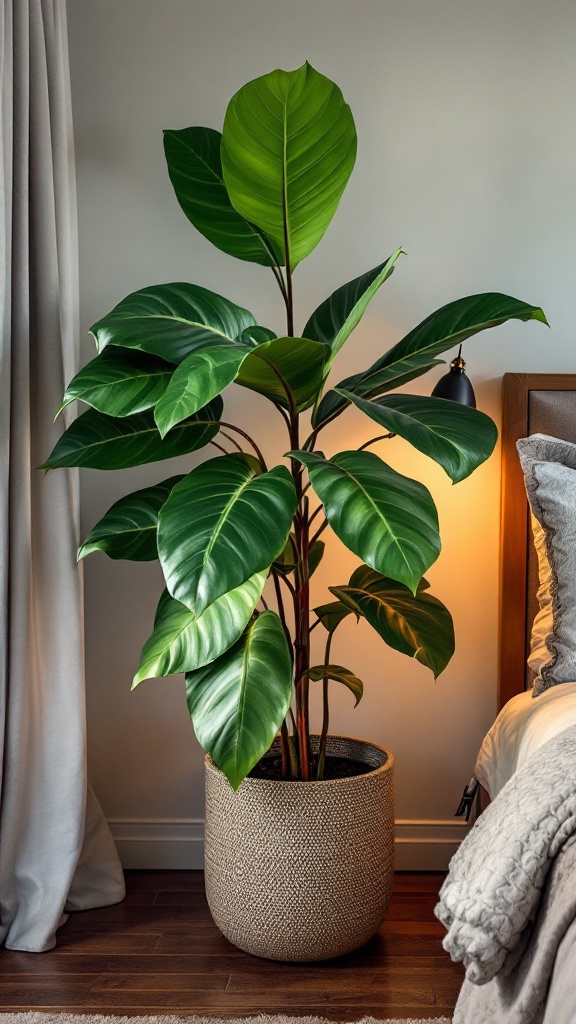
160 952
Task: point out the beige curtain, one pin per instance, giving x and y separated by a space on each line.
56 852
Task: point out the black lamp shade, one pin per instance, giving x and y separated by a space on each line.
455 385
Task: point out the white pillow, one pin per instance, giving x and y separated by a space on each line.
521 728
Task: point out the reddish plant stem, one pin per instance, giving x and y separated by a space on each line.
381 437
284 749
319 531
326 715
301 613
251 441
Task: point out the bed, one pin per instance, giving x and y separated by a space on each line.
509 901
531 404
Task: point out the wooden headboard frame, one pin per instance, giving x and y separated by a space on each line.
515 535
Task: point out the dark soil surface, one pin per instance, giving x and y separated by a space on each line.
335 768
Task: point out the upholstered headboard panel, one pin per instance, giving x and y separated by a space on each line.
532 403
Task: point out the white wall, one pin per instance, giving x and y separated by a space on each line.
467 150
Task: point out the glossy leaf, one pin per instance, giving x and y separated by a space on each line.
340 675
254 336
336 318
195 169
238 703
288 149
198 379
332 614
181 642
294 366
387 519
224 522
454 323
102 442
171 321
459 438
372 383
128 530
418 625
286 563
119 383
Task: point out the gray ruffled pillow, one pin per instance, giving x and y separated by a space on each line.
549 466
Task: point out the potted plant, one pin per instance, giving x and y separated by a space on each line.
299 830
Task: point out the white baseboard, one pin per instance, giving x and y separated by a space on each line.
178 843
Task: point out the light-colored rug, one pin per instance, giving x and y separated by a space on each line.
87 1018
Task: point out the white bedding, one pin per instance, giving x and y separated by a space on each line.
523 725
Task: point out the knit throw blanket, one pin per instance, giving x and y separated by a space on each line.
490 898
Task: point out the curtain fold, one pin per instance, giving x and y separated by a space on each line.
56 852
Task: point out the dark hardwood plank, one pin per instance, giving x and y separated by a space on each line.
160 952
15 965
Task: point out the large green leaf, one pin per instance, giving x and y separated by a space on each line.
182 643
102 442
418 625
340 675
372 383
415 354
224 522
285 370
387 519
454 323
195 169
288 149
171 321
198 379
332 614
286 366
458 438
119 383
336 318
128 530
238 703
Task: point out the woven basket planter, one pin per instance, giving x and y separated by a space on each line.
301 870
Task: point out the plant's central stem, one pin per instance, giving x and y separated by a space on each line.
301 613
301 593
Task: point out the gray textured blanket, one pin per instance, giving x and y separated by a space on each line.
541 988
490 899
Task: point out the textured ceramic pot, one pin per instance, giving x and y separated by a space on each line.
300 870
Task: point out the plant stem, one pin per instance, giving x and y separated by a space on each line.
318 532
220 447
287 584
381 437
280 280
289 304
283 414
284 748
232 441
315 513
301 613
282 611
293 757
326 714
232 426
